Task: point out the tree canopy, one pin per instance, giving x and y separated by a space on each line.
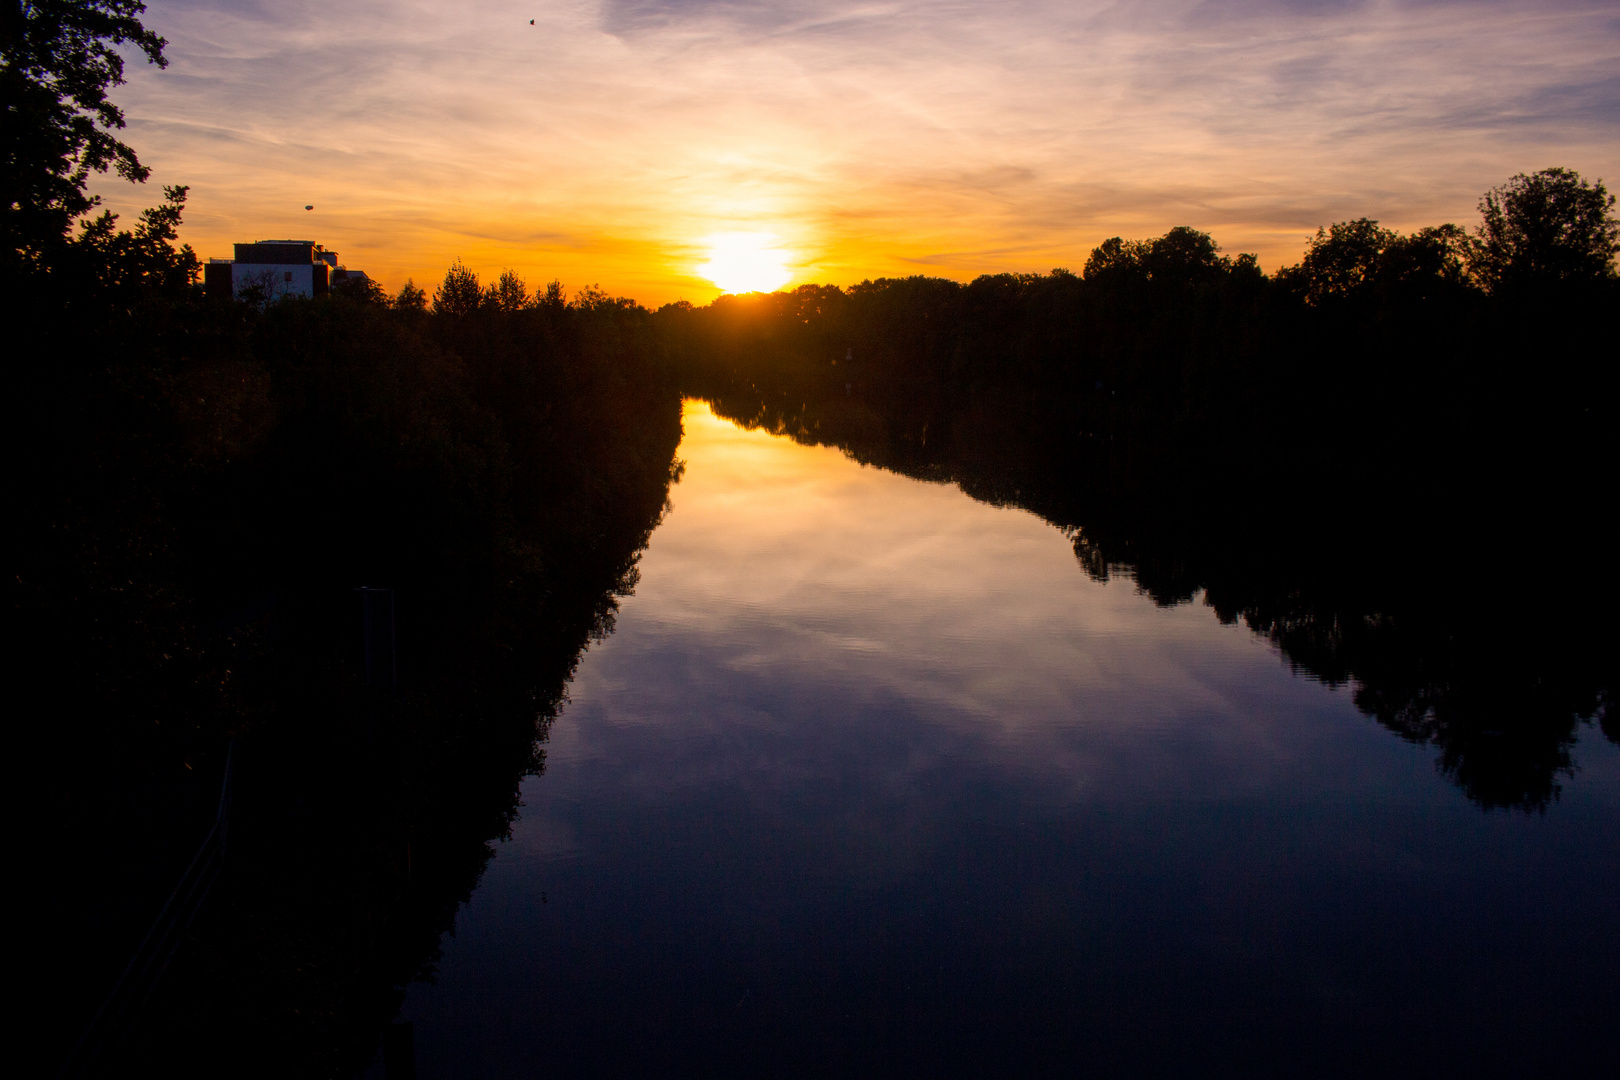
459 293
58 60
1360 258
1544 228
1183 255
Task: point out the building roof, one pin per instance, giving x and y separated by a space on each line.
279 252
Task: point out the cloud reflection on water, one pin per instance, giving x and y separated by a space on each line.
793 591
882 763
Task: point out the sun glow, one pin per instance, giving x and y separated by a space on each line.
742 262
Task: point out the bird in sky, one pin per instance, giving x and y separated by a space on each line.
531 22
309 208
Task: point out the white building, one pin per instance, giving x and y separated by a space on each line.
274 270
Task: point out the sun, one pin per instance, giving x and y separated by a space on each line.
741 262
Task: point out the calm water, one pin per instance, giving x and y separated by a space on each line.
872 778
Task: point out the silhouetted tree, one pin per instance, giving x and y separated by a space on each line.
1184 255
1545 228
364 289
1112 256
591 297
1340 260
459 293
509 293
145 260
1434 254
1351 258
58 59
410 298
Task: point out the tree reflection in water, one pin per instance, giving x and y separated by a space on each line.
194 582
362 823
1453 629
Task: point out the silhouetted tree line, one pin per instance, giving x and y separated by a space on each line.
199 489
1350 454
1482 630
207 485
1375 346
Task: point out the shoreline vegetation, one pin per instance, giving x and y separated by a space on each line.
1395 481
1390 460
208 487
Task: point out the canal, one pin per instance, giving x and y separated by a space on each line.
871 777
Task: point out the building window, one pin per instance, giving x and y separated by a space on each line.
287 276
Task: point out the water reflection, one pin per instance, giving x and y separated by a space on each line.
870 778
1406 598
793 561
362 812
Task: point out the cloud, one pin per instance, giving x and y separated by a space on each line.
631 18
602 142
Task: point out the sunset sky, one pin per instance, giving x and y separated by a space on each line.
613 140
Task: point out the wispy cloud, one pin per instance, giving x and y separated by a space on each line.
600 143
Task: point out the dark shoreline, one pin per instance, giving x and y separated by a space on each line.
218 479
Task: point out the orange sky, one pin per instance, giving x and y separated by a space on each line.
608 141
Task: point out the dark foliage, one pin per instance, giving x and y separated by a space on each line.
1341 455
58 60
201 489
1408 593
208 485
1335 455
1548 229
